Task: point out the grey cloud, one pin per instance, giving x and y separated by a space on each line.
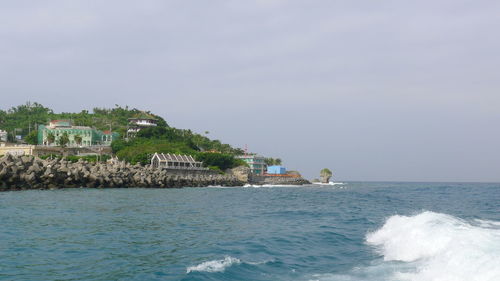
395 90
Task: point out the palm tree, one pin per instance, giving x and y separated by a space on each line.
51 138
63 140
269 161
78 140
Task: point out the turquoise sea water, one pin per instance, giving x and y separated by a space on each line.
354 231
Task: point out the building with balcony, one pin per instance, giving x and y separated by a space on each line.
256 163
140 121
79 136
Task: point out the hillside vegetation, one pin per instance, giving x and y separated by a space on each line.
24 119
172 140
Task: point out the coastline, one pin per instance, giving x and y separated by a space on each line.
28 172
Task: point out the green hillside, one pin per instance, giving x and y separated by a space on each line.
24 119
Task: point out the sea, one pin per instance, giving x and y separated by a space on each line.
349 231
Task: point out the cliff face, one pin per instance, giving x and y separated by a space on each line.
325 175
242 173
325 178
27 172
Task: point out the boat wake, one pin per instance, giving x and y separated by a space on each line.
214 265
220 265
430 247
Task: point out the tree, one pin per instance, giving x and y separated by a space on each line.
152 132
32 138
78 139
63 139
3 116
272 161
51 138
326 172
220 160
269 161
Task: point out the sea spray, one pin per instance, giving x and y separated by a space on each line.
440 247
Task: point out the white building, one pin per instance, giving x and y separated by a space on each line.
139 122
16 150
3 136
174 161
256 163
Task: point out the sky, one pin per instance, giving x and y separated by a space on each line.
373 90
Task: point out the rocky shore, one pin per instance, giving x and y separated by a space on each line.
270 180
244 175
28 172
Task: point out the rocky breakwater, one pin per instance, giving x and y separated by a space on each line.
269 180
28 172
291 178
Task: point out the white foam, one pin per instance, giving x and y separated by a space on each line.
220 186
440 247
337 185
252 185
214 265
430 247
271 185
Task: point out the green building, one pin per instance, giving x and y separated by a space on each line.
89 136
256 163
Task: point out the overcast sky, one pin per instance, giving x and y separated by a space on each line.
373 90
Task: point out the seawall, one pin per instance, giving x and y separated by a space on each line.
28 172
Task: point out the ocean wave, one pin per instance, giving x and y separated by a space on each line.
271 185
220 186
336 185
431 247
222 264
329 183
441 246
214 265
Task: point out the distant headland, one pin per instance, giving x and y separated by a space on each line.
121 147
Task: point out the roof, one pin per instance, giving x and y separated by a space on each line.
175 158
249 156
67 128
143 115
60 124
